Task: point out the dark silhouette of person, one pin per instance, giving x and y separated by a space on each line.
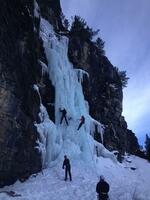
82 121
64 112
67 166
102 188
97 154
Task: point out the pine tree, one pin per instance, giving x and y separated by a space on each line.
66 24
124 78
81 29
100 45
147 147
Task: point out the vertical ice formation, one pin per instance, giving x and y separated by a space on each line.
36 10
63 139
47 132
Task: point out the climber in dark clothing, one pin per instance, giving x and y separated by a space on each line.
102 188
67 166
64 112
82 121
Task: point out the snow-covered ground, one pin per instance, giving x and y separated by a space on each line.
125 183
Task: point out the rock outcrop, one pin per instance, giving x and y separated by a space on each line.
20 68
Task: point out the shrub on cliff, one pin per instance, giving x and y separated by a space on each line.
100 45
123 77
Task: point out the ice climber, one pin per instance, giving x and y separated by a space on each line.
64 112
102 188
67 166
82 121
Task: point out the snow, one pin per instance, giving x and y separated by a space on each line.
80 74
125 184
44 68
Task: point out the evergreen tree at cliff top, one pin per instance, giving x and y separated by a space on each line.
147 147
80 28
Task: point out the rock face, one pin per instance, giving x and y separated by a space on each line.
21 50
103 91
19 103
51 10
21 56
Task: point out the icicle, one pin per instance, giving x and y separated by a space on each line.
80 74
40 128
36 88
100 128
50 141
44 68
102 151
36 10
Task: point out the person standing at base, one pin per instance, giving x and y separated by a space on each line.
82 121
102 188
67 166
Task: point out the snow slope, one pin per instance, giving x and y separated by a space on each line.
125 184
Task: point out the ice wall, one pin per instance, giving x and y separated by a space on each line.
63 139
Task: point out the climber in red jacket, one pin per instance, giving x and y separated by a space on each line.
82 121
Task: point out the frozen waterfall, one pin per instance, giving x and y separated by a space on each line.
60 139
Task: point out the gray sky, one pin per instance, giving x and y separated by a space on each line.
125 27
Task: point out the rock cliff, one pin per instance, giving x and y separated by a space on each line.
20 68
104 92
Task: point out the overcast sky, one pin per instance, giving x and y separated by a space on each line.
125 27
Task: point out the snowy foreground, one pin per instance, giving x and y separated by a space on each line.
125 184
